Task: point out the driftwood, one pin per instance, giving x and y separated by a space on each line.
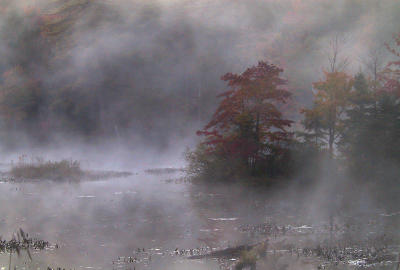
231 252
247 254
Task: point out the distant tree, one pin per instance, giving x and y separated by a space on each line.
337 63
391 73
247 123
331 97
24 56
370 140
23 46
361 106
21 99
314 124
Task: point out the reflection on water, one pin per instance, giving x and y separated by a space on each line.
146 222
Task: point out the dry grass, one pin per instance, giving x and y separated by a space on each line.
38 168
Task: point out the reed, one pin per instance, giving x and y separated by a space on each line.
38 168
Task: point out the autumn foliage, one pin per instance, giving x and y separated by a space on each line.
247 124
331 98
391 73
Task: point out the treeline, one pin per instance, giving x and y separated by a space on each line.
79 68
354 120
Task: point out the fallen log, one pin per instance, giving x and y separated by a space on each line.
223 253
233 252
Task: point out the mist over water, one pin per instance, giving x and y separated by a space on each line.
102 224
123 86
95 223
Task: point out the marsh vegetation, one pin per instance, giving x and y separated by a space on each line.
37 168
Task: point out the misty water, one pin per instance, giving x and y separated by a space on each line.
93 223
274 88
155 221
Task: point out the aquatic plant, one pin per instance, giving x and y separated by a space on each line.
38 168
21 242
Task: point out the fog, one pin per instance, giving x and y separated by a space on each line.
123 86
151 70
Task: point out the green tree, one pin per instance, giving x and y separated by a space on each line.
361 108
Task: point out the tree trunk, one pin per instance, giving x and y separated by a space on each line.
331 139
9 263
257 141
332 129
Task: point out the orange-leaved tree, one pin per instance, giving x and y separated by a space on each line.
331 98
248 124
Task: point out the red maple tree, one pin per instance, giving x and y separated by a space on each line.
248 122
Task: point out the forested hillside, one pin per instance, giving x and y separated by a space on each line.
80 68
